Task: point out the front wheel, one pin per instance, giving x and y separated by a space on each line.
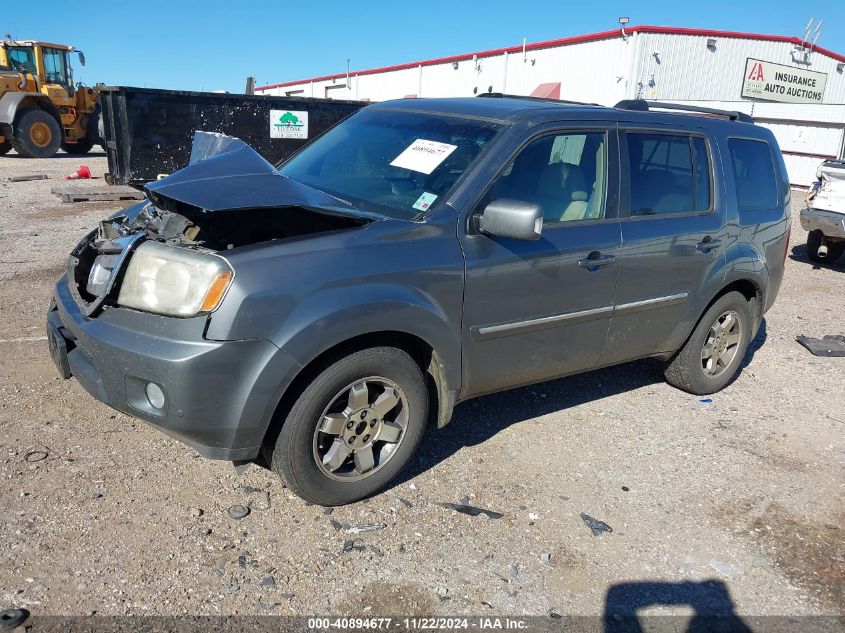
353 429
37 134
714 351
5 147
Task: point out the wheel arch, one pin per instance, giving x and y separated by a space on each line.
13 104
440 393
748 287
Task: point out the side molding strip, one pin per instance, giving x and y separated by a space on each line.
649 304
485 332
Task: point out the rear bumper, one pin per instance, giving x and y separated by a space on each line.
830 223
219 396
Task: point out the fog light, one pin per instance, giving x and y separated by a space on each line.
155 395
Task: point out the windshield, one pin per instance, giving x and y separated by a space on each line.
394 163
22 58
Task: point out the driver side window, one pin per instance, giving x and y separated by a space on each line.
55 66
565 174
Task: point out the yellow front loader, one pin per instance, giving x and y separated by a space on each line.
41 109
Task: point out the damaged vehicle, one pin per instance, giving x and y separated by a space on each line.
824 216
420 253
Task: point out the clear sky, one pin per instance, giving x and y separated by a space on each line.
214 45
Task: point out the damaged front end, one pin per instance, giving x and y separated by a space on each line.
227 197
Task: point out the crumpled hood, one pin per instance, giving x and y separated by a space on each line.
226 173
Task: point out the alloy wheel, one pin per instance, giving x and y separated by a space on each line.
361 429
721 344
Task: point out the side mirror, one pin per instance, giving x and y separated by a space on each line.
513 218
81 58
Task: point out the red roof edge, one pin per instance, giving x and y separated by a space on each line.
577 39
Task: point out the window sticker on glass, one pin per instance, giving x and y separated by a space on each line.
423 156
425 201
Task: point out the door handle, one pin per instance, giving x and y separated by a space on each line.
707 244
596 260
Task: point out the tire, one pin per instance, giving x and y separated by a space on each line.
36 134
80 147
690 370
814 241
303 454
5 148
834 251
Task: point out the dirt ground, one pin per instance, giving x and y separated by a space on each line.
734 504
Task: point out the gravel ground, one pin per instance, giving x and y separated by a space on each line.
740 499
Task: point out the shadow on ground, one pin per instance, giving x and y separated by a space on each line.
479 419
710 601
799 254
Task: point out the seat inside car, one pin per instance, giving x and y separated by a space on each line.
658 191
562 191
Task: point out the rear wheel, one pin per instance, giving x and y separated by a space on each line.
80 147
714 351
353 429
834 251
36 134
815 240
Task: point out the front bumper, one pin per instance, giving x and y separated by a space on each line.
830 223
219 396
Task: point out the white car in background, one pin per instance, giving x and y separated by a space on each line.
824 216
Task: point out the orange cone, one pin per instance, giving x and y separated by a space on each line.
81 173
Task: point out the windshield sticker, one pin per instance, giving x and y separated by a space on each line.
425 201
423 156
288 124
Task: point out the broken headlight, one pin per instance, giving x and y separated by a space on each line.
173 280
101 271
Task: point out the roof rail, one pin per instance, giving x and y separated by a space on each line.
642 105
502 95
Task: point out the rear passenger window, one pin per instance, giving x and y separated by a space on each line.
669 174
754 174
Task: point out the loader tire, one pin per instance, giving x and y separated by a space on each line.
5 147
36 134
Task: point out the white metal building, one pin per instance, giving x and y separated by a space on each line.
786 84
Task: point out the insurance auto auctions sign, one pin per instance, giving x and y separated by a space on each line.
775 82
